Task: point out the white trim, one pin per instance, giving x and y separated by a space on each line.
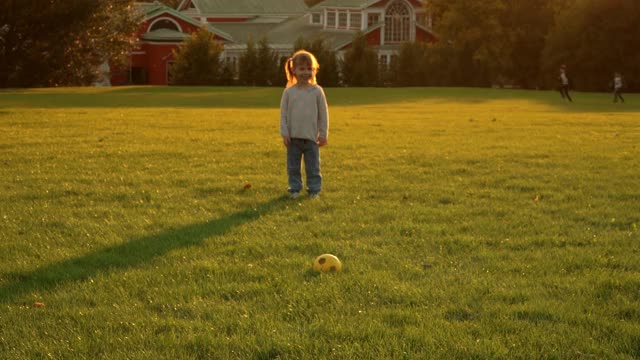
156 42
158 19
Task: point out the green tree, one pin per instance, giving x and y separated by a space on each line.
409 69
46 43
197 60
360 64
594 38
473 38
248 64
266 64
527 23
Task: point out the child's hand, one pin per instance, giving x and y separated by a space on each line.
322 141
286 140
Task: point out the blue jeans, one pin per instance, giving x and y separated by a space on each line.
310 151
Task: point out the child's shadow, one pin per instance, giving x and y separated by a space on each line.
129 254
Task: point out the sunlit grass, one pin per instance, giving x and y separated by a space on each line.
472 223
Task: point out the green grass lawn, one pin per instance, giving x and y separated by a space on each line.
472 223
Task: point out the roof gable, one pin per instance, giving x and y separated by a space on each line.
156 11
162 10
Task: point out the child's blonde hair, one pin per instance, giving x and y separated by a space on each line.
301 57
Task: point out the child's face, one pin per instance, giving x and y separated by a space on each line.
303 73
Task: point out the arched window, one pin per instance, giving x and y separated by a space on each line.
164 24
397 22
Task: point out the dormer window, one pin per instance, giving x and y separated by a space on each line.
164 24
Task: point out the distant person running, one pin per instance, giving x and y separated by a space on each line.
564 83
618 84
304 122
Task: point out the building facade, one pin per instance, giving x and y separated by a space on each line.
386 24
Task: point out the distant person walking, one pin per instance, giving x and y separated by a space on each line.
304 123
618 84
564 83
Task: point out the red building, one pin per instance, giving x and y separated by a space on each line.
385 23
162 30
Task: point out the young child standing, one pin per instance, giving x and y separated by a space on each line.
617 87
304 122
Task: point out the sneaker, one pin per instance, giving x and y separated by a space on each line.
314 195
294 195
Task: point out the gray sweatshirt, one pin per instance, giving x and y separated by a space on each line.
304 113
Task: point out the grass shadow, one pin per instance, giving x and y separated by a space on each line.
191 97
129 254
143 97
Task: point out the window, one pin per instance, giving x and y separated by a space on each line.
164 24
342 19
356 21
316 18
331 19
373 19
396 23
382 62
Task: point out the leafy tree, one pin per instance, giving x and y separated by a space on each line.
360 63
527 24
409 68
594 38
197 60
45 43
472 36
248 64
266 64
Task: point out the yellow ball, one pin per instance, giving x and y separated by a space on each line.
327 263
